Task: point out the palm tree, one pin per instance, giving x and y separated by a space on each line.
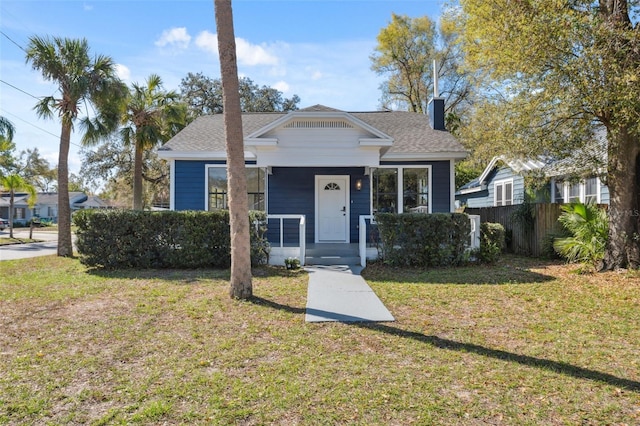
82 80
589 228
7 130
14 183
241 287
152 116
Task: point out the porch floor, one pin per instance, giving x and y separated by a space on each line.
339 293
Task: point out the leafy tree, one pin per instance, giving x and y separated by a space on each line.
241 286
14 183
405 52
36 170
203 96
82 81
152 116
588 226
112 164
565 69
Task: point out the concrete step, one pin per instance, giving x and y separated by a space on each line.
332 260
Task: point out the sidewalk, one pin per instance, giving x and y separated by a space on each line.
339 293
48 246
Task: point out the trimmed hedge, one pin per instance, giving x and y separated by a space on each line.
415 239
169 239
492 241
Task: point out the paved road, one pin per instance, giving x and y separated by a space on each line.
21 251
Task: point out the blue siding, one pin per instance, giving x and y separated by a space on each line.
441 185
485 198
190 184
604 194
292 191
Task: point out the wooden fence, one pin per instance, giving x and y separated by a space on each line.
526 236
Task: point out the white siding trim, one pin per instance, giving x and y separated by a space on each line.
172 184
452 187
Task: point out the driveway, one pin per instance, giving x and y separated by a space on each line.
48 246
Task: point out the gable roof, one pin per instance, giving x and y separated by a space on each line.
410 132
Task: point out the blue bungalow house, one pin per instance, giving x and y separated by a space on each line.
321 173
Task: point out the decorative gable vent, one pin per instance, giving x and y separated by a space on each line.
318 124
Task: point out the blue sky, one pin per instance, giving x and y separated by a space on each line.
317 49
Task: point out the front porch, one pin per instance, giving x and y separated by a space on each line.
289 241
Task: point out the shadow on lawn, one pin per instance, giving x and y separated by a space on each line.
509 270
452 345
186 276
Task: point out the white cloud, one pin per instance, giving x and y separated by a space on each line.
282 86
316 75
87 7
248 54
174 37
123 72
207 42
252 54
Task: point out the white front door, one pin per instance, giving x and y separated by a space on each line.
332 209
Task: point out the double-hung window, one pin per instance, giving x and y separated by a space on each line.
217 196
401 189
503 193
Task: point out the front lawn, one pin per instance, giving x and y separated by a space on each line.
520 342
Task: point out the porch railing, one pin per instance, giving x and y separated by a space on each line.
362 237
474 235
302 231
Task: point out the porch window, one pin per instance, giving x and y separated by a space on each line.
415 191
558 191
503 195
217 188
591 190
19 213
385 190
574 193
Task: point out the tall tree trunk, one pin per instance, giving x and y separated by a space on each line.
241 287
137 178
65 247
623 246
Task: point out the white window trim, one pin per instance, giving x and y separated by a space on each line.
224 166
400 200
502 183
583 190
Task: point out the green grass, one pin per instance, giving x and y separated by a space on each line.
520 342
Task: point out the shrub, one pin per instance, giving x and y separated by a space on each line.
589 228
492 242
137 239
415 239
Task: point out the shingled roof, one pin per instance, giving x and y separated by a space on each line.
410 131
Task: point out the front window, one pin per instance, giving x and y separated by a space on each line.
217 188
385 190
415 191
503 193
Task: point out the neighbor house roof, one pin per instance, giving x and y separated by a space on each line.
410 132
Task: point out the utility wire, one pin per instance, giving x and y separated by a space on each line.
12 41
19 89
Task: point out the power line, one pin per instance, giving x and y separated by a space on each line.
12 41
31 124
19 89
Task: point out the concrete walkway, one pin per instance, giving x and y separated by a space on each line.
339 293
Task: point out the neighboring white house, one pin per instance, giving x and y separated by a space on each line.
46 206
